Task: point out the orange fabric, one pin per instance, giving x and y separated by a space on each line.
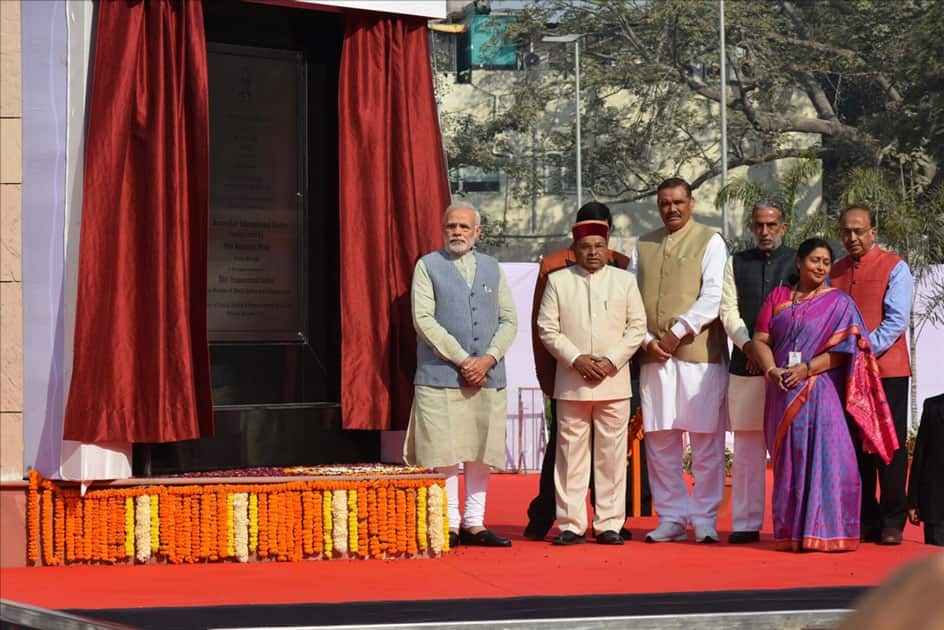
393 191
866 280
544 364
141 368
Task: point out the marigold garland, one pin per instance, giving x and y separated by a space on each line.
253 522
362 537
224 524
154 511
373 522
383 519
192 523
353 542
421 523
393 520
196 510
71 537
326 521
32 519
129 526
401 520
230 526
317 524
411 521
262 521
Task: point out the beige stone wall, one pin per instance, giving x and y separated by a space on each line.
11 294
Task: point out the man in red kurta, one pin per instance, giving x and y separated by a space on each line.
882 287
543 509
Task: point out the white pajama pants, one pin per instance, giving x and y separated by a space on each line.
748 481
476 488
670 495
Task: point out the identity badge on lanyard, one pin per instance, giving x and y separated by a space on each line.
795 358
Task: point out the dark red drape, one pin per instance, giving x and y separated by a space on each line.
393 191
141 362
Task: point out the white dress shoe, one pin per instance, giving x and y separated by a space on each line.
667 531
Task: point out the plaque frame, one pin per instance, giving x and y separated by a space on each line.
299 334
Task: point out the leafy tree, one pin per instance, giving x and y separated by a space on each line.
863 75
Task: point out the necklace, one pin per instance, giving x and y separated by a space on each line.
794 308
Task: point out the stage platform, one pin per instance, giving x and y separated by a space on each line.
530 581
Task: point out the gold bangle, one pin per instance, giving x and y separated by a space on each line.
767 371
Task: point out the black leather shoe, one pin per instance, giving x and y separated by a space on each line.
890 536
484 538
453 540
738 538
625 534
609 538
872 536
536 532
568 538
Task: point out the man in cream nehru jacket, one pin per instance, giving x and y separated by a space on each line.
591 321
683 378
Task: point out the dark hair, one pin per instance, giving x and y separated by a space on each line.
595 211
810 244
804 250
767 203
675 182
865 209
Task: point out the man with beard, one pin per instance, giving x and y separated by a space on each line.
881 285
683 378
748 277
591 321
465 321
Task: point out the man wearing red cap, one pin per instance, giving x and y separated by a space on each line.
542 511
591 320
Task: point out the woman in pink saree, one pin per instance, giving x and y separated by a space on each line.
814 349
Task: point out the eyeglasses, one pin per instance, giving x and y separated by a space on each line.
860 232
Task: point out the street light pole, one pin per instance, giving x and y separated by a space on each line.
566 39
724 124
579 150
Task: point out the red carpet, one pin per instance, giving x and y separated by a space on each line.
527 569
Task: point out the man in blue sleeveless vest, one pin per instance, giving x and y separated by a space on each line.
748 277
465 321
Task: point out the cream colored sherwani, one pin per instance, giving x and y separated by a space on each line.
599 314
452 425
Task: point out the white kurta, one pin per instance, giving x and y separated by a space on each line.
680 394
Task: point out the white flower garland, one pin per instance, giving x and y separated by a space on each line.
339 516
241 526
142 528
436 519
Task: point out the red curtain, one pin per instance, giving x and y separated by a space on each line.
393 190
141 361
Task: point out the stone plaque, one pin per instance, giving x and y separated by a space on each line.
257 244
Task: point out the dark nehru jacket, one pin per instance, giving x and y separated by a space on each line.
755 275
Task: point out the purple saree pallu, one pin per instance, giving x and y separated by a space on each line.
816 499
